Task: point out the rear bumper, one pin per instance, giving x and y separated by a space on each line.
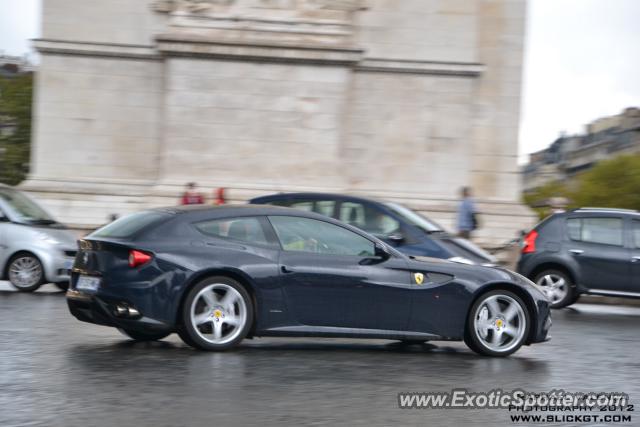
101 311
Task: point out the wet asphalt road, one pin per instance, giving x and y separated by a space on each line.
56 371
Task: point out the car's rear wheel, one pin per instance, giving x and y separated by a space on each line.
498 324
25 272
558 288
143 336
216 315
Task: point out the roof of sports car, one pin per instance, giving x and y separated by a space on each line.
230 210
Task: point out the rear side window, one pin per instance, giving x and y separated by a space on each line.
306 206
129 225
368 218
246 229
606 231
322 207
636 233
281 202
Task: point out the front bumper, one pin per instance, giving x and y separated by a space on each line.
57 265
104 311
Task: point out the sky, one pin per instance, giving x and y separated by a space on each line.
582 61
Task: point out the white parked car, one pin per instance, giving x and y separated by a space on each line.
34 248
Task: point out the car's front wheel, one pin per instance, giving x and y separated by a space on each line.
558 288
144 336
216 315
25 272
498 324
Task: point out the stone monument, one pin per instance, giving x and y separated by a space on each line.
404 100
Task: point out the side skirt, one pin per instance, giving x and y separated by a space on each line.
333 332
608 293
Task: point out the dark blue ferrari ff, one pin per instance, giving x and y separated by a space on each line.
219 275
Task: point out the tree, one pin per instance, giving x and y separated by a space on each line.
613 183
16 93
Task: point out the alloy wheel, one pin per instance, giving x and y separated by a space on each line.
500 323
218 313
25 272
555 287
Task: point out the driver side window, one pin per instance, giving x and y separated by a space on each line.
298 234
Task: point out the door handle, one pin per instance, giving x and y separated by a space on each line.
286 270
635 259
576 251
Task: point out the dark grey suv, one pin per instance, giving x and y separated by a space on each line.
584 251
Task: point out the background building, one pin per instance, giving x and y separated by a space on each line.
407 100
605 138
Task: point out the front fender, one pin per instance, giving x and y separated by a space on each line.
536 303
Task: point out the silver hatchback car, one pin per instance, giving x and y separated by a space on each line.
34 248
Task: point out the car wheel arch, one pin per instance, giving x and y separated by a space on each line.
555 266
236 275
507 286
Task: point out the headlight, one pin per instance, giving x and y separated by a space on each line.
48 239
461 260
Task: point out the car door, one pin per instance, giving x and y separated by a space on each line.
634 282
331 278
597 245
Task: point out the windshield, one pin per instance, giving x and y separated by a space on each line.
415 218
22 209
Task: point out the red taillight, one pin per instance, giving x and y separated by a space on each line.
529 245
137 258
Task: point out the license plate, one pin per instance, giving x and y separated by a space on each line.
68 264
87 283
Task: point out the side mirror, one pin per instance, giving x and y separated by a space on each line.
396 237
382 252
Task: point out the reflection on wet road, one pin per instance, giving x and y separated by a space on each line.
56 371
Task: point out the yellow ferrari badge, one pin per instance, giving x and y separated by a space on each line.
419 278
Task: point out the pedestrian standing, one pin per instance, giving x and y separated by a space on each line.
467 217
191 196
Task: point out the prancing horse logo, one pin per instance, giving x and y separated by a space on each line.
419 278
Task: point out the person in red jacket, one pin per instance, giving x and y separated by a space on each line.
191 196
220 198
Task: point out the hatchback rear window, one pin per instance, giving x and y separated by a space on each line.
129 225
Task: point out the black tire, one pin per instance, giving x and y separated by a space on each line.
36 284
144 336
63 286
187 330
571 295
475 343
